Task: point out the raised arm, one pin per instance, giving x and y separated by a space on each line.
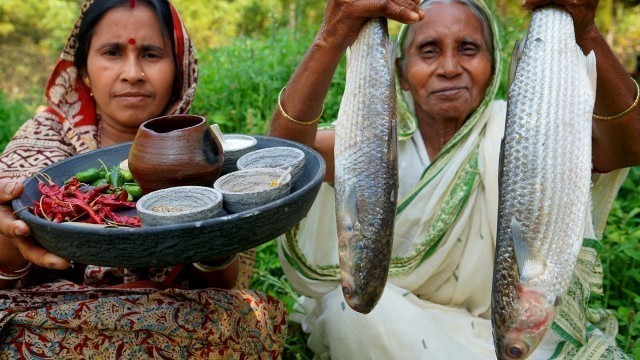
616 139
300 103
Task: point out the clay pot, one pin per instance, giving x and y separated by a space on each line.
175 150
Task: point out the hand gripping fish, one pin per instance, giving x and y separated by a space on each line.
366 167
544 181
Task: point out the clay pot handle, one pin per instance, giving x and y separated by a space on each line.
216 130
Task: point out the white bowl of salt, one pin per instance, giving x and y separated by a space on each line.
234 147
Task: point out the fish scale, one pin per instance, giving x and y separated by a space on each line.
544 181
366 178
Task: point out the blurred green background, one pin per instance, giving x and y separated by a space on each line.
247 49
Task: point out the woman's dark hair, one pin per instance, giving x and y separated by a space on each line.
100 7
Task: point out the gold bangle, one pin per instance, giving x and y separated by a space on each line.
204 267
15 274
626 111
297 122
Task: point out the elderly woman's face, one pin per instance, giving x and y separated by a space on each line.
130 67
448 66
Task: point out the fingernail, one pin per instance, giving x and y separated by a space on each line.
57 264
414 16
8 189
20 231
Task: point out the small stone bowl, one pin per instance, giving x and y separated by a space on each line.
235 146
249 188
281 157
179 204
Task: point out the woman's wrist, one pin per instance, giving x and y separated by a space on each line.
11 273
14 265
587 37
327 40
10 257
215 265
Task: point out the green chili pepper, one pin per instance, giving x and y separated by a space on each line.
101 181
126 174
134 190
116 179
88 176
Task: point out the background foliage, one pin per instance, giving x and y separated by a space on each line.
247 50
32 32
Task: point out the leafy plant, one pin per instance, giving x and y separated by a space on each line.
511 30
621 261
12 115
239 83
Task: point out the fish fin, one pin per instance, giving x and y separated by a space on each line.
391 47
558 301
392 157
348 216
592 71
501 163
395 49
530 265
518 49
392 144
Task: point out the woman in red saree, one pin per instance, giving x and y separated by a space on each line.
125 62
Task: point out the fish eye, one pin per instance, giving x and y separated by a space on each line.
516 351
346 290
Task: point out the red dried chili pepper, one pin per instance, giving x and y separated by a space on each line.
84 206
95 192
114 204
51 191
132 221
70 203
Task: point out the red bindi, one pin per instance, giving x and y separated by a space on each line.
132 3
132 41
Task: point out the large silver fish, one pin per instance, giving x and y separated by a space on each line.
544 181
366 171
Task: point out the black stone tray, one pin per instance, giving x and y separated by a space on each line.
170 244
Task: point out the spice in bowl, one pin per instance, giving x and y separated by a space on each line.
179 204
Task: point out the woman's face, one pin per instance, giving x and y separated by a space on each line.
448 65
130 67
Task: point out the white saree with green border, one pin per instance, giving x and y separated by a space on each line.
437 301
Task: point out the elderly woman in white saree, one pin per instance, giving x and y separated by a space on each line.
436 303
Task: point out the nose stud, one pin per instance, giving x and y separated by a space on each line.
142 75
